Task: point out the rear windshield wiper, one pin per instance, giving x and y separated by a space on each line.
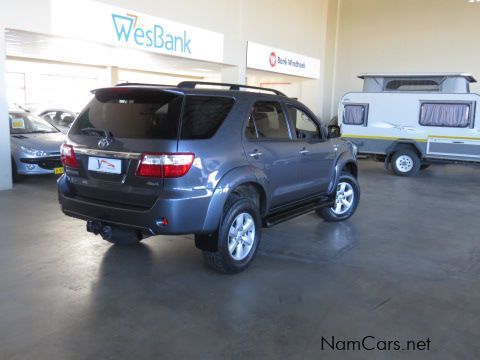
94 131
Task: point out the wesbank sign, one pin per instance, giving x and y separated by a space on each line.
264 57
94 21
128 32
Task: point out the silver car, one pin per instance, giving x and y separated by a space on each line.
35 145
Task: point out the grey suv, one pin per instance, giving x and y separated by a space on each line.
144 160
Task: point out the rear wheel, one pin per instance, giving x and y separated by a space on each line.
237 238
405 162
346 200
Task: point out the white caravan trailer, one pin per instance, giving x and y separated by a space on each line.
410 121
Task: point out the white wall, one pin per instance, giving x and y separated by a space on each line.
294 26
405 36
291 26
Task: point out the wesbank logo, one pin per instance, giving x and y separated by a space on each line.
156 36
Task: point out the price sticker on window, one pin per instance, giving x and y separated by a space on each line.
18 123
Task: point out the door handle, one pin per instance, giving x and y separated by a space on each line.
256 154
304 152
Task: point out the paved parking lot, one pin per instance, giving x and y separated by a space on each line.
405 267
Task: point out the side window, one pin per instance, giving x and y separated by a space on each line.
267 121
412 85
355 114
250 130
305 127
445 114
203 115
66 119
49 116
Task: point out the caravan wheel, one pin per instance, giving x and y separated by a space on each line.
405 162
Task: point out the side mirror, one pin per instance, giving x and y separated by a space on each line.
333 131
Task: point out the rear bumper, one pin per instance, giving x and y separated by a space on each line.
184 215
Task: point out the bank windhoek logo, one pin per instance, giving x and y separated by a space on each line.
273 59
130 30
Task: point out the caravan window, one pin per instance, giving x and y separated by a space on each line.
412 85
445 114
355 114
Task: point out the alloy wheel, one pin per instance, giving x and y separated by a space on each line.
241 236
344 198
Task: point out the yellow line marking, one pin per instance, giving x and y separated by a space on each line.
453 137
381 138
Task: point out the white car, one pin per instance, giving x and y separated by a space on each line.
62 119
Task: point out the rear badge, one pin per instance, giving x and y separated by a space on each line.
105 142
153 183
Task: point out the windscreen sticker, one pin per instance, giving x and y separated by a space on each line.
18 123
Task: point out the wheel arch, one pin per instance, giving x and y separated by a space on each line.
399 145
246 180
345 160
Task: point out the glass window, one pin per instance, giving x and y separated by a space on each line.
269 120
305 126
66 119
412 85
445 115
24 123
203 115
250 130
355 114
131 113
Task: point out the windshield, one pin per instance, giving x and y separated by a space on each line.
23 123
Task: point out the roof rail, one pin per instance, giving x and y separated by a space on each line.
193 84
136 84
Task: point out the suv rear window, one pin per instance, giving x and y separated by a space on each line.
203 115
132 113
152 114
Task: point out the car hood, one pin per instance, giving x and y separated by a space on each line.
47 142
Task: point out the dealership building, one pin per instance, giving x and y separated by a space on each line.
400 276
312 51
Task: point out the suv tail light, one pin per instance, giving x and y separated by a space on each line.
68 156
165 165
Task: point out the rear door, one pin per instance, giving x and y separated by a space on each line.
316 153
110 135
268 145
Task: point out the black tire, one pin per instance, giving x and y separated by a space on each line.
409 159
329 214
221 260
424 166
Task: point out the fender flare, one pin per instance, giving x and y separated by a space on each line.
229 182
344 159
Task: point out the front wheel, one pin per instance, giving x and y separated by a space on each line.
237 238
346 200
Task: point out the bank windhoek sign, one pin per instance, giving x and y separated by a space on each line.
262 57
102 23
